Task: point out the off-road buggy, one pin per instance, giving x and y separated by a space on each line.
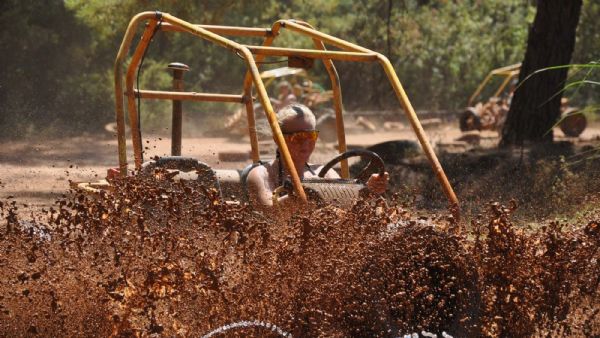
231 182
490 113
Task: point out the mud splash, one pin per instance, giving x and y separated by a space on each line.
171 259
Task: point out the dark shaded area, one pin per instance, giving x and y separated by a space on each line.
47 86
535 107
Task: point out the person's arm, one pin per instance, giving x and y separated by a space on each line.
258 187
260 192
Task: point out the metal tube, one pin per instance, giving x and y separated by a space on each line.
223 30
339 117
118 78
203 33
479 89
414 121
337 103
502 86
188 96
311 53
296 26
177 117
136 140
131 104
334 82
250 103
318 38
510 68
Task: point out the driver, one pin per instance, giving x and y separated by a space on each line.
297 124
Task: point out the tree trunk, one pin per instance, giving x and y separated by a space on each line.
534 110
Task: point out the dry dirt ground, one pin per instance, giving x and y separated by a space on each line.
37 172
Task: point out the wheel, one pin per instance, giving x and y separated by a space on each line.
469 120
573 123
375 163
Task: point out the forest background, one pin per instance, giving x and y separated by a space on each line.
57 56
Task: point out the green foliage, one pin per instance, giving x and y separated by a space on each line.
588 33
454 45
42 65
440 50
586 51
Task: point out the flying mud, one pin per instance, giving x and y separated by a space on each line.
157 257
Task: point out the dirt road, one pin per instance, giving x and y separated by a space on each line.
39 171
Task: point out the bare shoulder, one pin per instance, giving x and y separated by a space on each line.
257 175
259 186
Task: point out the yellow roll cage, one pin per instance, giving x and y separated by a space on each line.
508 72
216 34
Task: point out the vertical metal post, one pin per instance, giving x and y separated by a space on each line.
177 118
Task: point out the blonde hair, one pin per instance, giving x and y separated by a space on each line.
296 111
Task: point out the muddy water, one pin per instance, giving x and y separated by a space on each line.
159 258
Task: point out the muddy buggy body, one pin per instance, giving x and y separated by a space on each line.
490 113
232 181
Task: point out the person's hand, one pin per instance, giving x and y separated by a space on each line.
378 183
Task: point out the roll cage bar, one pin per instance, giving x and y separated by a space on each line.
216 34
509 72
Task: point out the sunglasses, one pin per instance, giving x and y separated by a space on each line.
302 135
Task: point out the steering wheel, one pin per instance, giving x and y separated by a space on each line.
375 163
